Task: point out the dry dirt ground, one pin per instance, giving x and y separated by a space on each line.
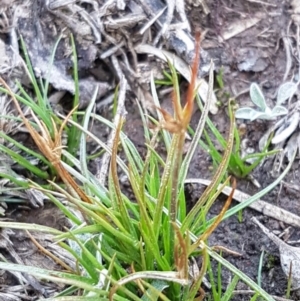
253 41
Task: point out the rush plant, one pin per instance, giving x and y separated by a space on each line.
144 248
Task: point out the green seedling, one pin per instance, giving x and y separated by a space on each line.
289 284
260 266
219 78
240 216
238 165
222 93
256 297
216 284
285 91
271 261
167 80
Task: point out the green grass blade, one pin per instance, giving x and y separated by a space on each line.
73 136
192 222
260 194
32 75
166 135
240 274
48 75
83 136
25 163
261 260
26 149
230 288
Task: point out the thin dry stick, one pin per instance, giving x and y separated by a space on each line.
151 21
171 7
250 292
223 249
47 253
287 47
259 205
289 256
262 2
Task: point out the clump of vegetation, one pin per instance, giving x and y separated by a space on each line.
239 165
142 248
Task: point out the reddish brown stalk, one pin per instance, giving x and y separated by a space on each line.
189 106
169 123
49 254
222 213
182 116
201 294
181 253
208 232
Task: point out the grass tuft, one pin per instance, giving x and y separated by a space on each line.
145 247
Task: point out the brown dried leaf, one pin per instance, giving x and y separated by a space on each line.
289 256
